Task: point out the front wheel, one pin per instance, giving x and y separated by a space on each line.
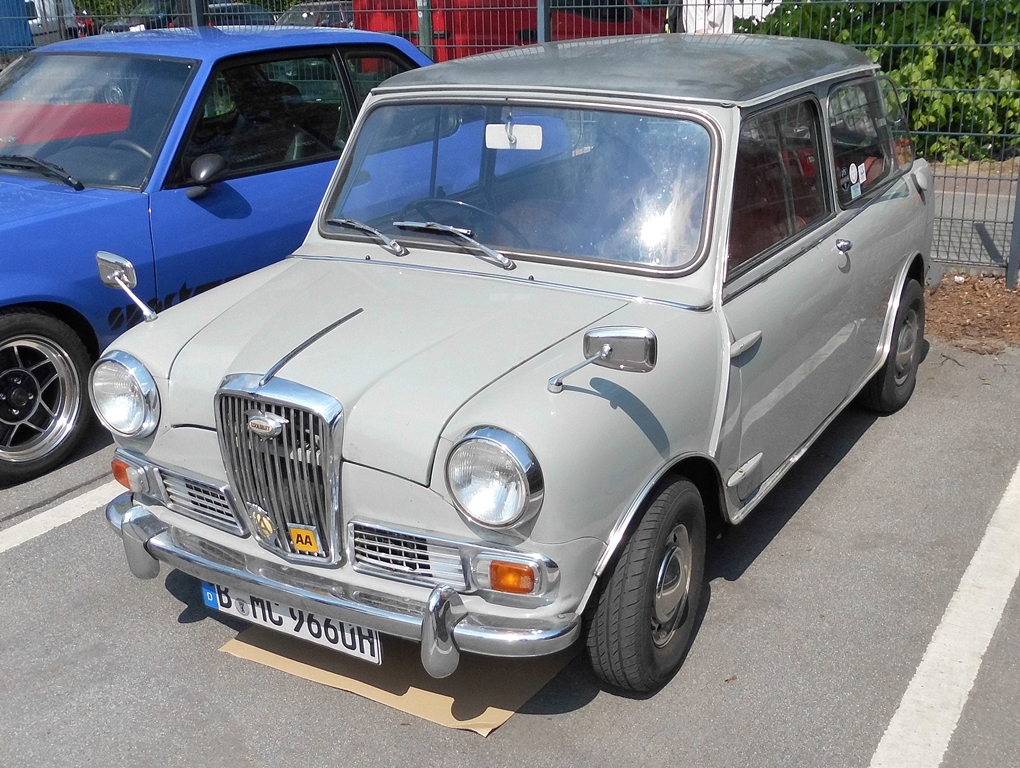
892 386
645 615
44 411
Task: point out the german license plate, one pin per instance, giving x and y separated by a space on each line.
338 635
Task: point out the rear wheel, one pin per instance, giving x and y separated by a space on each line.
642 624
43 407
891 388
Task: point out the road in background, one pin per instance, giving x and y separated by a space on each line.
818 610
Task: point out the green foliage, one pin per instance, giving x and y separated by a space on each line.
957 62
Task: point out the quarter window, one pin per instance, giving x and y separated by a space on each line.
861 139
778 189
367 70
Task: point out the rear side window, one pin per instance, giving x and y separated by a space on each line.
367 70
861 139
778 190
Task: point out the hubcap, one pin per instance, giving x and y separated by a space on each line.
672 584
906 341
39 398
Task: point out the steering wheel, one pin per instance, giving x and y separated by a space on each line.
131 145
423 205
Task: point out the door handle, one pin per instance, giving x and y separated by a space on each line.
843 245
740 346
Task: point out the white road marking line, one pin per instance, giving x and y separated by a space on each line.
919 732
58 515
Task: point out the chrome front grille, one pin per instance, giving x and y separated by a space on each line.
287 483
414 557
199 500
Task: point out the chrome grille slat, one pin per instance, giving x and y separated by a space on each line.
199 500
285 476
414 557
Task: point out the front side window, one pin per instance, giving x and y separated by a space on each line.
605 186
268 115
778 187
100 118
861 139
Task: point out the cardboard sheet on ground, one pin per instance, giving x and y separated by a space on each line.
480 696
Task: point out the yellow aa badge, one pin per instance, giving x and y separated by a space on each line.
304 538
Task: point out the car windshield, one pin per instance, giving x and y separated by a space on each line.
100 118
599 185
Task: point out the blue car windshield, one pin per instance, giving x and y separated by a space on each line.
599 185
100 118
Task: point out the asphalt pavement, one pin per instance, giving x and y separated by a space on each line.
818 611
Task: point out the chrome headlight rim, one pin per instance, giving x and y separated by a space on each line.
146 386
518 451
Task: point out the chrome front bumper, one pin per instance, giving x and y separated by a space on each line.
441 624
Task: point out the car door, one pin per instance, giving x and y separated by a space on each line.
871 151
787 297
279 122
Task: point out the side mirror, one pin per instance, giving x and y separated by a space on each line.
205 170
117 272
631 349
622 348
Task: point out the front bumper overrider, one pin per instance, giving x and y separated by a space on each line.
442 624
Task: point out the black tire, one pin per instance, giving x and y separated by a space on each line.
44 407
891 388
634 640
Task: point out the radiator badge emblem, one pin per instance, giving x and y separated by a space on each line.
265 425
262 524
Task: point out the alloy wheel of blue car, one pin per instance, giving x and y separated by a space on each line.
43 412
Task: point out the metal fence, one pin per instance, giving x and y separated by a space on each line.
957 63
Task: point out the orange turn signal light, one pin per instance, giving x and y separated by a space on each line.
120 472
515 578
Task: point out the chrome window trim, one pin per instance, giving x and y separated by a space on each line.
521 453
630 106
330 410
147 385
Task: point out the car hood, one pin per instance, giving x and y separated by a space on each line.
422 345
23 198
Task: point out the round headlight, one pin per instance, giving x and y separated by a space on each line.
124 395
494 478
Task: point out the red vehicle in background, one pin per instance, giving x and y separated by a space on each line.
465 27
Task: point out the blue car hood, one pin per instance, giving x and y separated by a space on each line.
24 199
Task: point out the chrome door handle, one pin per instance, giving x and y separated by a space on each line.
843 245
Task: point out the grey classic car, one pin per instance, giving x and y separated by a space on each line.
561 306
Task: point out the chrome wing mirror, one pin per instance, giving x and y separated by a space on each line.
622 348
117 272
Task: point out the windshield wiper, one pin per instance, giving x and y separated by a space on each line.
46 168
464 234
386 242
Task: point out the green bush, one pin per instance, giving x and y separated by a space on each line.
956 62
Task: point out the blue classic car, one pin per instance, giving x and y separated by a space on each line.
194 156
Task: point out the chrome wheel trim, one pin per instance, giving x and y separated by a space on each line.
906 343
40 398
672 585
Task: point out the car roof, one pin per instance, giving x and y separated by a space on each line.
211 43
691 67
